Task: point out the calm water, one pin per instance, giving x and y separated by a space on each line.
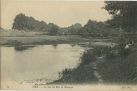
24 64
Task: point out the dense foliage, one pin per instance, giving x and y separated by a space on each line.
97 29
124 14
92 28
22 22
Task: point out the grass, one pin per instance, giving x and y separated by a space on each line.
83 74
120 69
115 68
46 39
15 37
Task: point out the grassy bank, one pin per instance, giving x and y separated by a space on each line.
15 37
41 40
80 75
121 68
47 39
111 65
85 72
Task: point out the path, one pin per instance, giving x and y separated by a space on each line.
95 68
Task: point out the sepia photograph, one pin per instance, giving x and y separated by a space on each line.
75 45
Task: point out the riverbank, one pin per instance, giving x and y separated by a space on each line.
46 39
40 40
15 37
103 65
86 72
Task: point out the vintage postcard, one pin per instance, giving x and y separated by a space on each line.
71 45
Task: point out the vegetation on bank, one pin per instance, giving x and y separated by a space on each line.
16 37
82 74
120 68
112 65
41 40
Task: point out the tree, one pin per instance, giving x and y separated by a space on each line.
22 22
53 29
124 14
73 29
19 22
96 29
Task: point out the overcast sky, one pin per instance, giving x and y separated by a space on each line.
62 13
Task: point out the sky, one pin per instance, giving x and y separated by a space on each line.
62 13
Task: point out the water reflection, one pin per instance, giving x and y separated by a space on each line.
55 45
38 62
22 48
73 45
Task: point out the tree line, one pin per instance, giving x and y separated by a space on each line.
92 28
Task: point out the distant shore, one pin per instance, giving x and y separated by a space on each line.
15 37
46 39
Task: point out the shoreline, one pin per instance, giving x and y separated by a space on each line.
49 40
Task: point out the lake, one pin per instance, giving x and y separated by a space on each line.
23 65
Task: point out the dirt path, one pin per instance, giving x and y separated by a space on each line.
95 68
